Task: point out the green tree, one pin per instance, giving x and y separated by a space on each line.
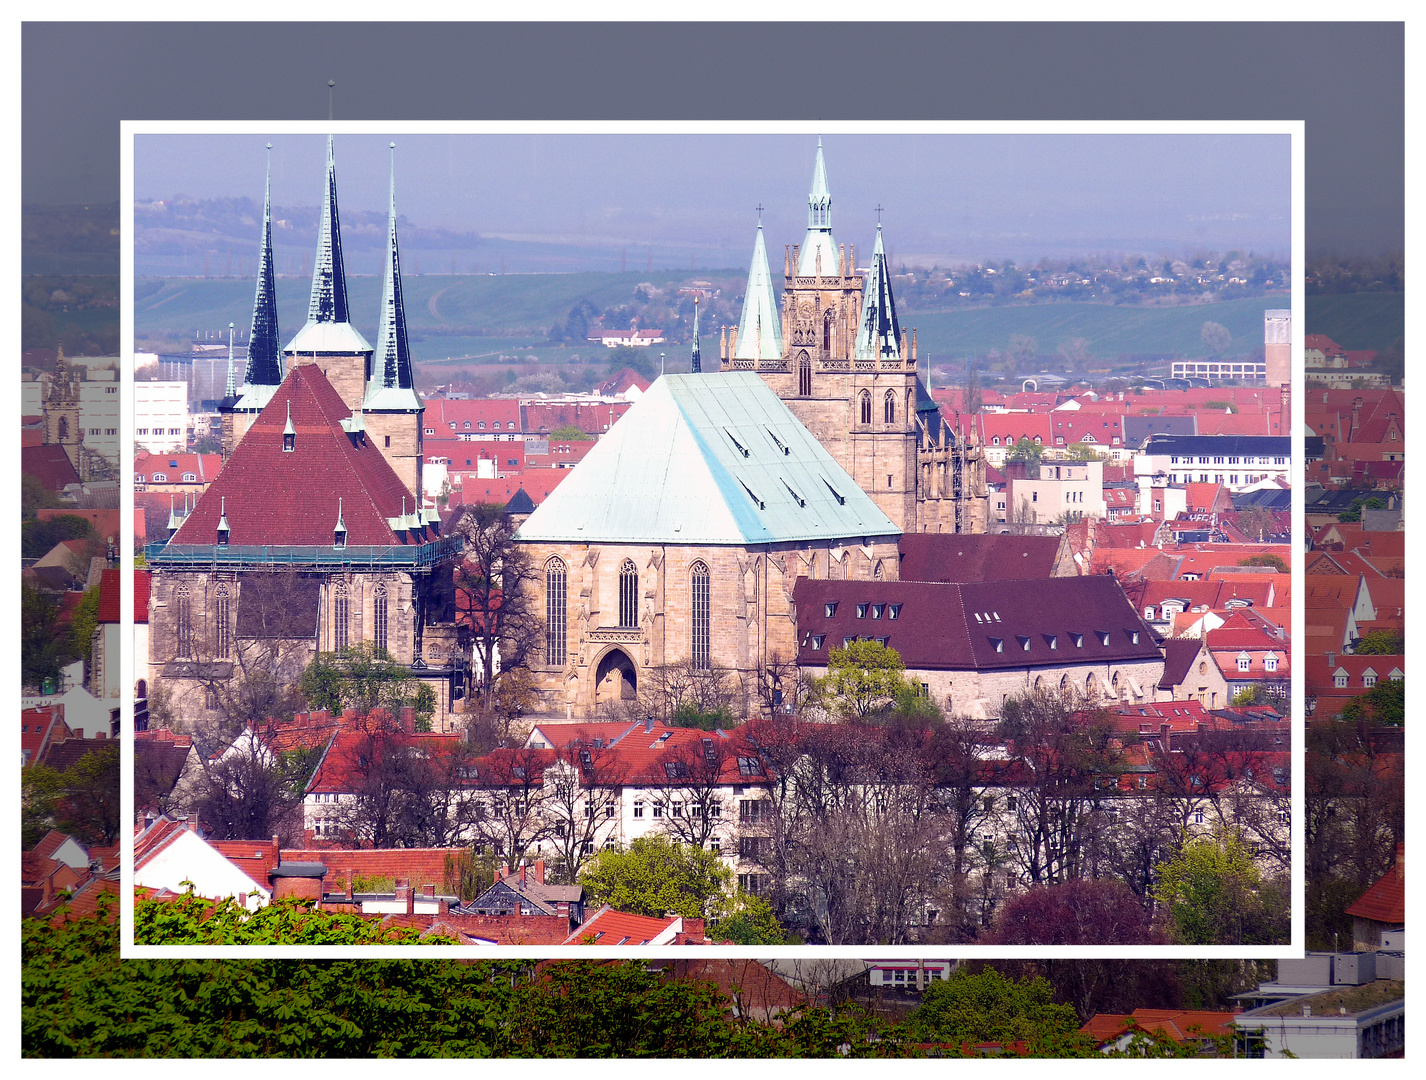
193 920
654 876
1081 452
568 433
1384 703
82 800
988 1007
1270 561
360 677
1026 450
751 922
38 537
1354 512
863 680
44 648
83 621
35 496
1213 895
1380 643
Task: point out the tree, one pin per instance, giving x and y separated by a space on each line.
1216 337
1083 912
682 695
1384 704
581 798
44 649
1024 350
510 818
35 496
863 680
82 800
248 793
38 537
83 621
500 618
361 677
686 790
1381 643
1026 450
193 920
988 1007
1258 523
1213 894
751 922
568 433
1273 562
958 772
656 875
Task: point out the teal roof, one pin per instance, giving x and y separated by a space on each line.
760 331
707 460
818 241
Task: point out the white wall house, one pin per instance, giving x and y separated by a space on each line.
161 416
1235 461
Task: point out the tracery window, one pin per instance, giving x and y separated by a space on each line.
555 613
223 632
866 407
628 594
701 609
804 377
183 621
378 612
889 407
341 618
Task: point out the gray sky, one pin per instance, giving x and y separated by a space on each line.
946 198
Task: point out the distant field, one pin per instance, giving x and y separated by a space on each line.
483 317
1368 320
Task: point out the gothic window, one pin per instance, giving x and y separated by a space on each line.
804 376
63 429
223 626
866 407
701 640
183 621
628 594
341 618
889 408
910 405
827 333
555 613
378 609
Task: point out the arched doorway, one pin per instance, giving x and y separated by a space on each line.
615 679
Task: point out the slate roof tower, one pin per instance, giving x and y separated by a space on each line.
759 333
392 409
879 332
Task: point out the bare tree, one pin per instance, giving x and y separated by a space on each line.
511 817
668 691
686 790
581 799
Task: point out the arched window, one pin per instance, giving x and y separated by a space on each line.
804 376
628 594
223 635
702 611
910 405
866 407
827 333
63 428
878 572
341 618
889 407
555 613
183 621
378 613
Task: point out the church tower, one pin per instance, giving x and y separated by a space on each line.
264 373
61 413
392 409
329 340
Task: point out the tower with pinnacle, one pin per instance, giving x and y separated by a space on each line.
61 412
835 351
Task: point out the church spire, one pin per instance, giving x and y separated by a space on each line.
697 364
264 353
230 391
879 335
760 330
391 385
818 243
329 281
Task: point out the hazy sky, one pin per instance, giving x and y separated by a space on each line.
946 198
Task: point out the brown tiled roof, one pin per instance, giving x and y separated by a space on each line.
109 596
1179 654
966 557
1385 901
275 497
49 464
956 626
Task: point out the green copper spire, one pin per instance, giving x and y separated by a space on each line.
818 243
760 330
879 335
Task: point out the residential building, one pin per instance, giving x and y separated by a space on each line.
1236 461
161 419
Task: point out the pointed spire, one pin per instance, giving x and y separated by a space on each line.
818 243
289 433
339 532
760 330
697 364
879 335
391 363
264 349
224 531
329 281
230 390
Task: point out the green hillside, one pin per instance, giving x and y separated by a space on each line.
1364 320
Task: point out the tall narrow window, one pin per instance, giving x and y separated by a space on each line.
702 610
827 334
183 621
628 594
889 407
555 613
804 376
378 613
341 618
223 633
866 407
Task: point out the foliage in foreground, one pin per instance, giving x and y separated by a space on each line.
192 920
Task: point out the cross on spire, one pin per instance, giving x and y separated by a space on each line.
760 213
878 213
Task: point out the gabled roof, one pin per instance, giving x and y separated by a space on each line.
1385 901
277 497
713 461
50 465
976 557
1179 655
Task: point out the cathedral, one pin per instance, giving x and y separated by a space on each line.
835 352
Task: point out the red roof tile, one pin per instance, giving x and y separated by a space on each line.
930 556
1385 901
276 497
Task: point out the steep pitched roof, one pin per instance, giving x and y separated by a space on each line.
391 385
277 497
818 241
109 596
49 464
264 343
760 329
975 557
707 460
1385 901
879 332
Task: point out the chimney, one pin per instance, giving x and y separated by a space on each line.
428 892
540 871
351 898
276 851
1331 658
649 726
504 871
404 895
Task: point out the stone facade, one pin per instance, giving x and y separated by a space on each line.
398 436
751 614
982 694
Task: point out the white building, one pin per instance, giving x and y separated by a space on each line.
1064 490
1235 461
99 412
161 416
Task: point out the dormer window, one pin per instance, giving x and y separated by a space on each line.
998 644
1270 664
895 612
1133 637
877 610
1024 643
480 425
817 640
1103 636
831 609
289 433
223 530
1339 679
1244 661
466 425
861 611
1052 640
1078 640
339 532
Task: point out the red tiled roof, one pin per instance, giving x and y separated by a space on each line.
538 483
109 596
49 464
1385 901
592 417
927 556
205 467
470 415
275 497
610 927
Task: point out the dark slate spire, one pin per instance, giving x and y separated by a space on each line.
264 351
391 385
697 359
879 336
329 281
